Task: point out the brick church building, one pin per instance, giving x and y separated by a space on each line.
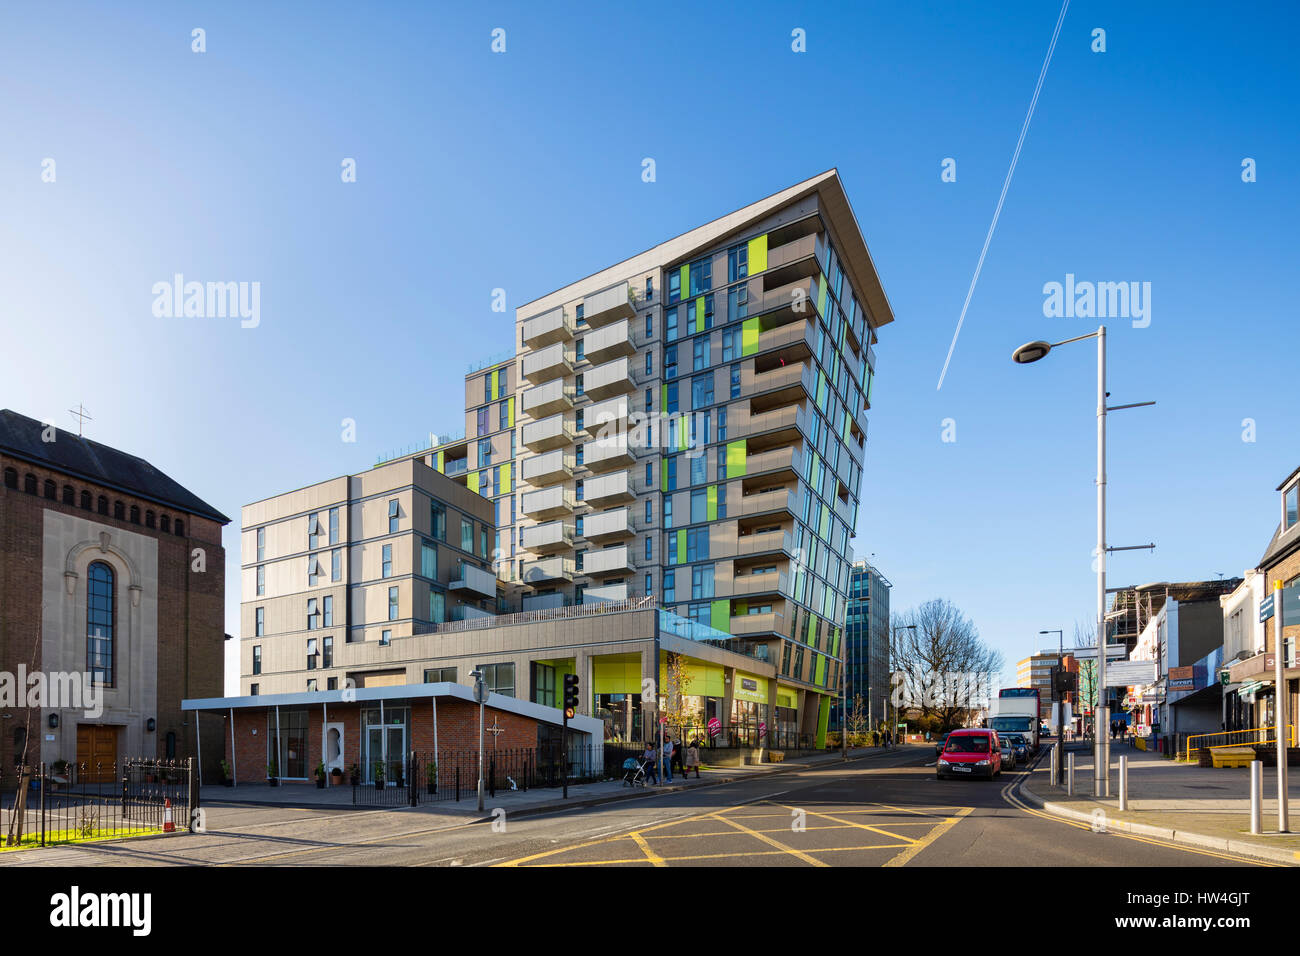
113 572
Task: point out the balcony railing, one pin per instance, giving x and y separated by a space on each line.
551 432
548 399
771 622
608 489
771 582
607 524
608 343
609 305
776 459
610 413
475 580
604 454
780 500
610 379
548 538
553 361
788 416
547 502
548 328
548 569
549 468
607 561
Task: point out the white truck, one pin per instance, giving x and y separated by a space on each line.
1015 715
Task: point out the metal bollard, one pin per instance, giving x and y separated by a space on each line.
1123 781
1256 796
1056 771
1069 774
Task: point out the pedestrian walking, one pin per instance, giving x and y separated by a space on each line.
679 754
667 758
692 759
651 760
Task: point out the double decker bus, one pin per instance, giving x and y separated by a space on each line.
1015 711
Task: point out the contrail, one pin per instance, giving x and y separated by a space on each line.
1006 184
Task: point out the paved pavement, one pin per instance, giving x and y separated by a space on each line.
1179 802
878 809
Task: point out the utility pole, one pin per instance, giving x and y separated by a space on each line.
480 695
1279 708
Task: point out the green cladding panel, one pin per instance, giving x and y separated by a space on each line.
686 282
681 546
505 479
712 502
472 481
821 295
440 454
663 474
699 315
736 452
823 718
510 411
758 255
812 630
495 379
720 615
749 336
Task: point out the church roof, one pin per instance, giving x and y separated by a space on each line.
79 457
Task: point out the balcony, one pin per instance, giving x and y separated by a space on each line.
607 344
552 432
616 560
549 538
769 502
549 399
772 582
607 525
606 454
548 570
608 489
606 592
794 260
779 378
767 463
545 364
547 329
547 503
784 421
769 542
609 305
785 303
609 413
746 624
608 380
549 468
475 580
799 338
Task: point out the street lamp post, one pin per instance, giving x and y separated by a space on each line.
1060 700
1032 352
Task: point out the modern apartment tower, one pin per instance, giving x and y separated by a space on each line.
693 426
673 456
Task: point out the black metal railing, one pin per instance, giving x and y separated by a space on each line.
73 803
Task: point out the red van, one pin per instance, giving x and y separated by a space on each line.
970 753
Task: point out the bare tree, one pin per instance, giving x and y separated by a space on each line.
1085 635
945 668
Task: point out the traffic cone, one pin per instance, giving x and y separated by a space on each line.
168 825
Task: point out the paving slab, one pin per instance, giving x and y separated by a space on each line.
1207 807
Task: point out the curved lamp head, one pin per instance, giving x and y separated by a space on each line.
1030 352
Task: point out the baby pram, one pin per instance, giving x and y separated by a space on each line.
635 772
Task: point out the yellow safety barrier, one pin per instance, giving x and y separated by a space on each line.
1237 738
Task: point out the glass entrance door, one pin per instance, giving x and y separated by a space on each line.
385 755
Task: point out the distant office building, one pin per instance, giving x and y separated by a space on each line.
1036 672
866 642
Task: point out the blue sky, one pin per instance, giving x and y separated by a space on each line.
521 170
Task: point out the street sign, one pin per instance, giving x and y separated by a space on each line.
1266 609
1130 673
1090 653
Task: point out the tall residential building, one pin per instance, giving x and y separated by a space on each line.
340 575
685 429
866 643
694 427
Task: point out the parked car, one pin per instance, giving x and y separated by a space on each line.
1007 753
970 753
1021 744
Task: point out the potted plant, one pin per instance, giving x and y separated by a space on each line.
354 774
379 775
271 776
431 776
320 776
227 778
336 777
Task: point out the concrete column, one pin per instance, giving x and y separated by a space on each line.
771 710
729 695
650 706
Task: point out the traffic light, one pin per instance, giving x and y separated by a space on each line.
570 694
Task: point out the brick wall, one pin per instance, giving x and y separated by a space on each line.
191 605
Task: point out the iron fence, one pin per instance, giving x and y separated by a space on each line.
72 803
452 775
